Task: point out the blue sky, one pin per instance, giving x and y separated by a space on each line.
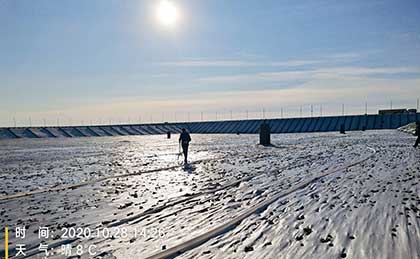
108 60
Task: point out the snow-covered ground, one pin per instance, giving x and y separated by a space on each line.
409 128
371 209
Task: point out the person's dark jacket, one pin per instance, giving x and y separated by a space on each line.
417 132
185 138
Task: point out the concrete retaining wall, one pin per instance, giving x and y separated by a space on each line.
290 125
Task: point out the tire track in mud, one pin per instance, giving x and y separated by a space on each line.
201 239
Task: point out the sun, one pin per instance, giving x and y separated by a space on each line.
167 13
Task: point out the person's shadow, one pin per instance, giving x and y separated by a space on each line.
272 146
188 168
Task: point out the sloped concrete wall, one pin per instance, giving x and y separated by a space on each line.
290 125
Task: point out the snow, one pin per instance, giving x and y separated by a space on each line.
409 128
368 210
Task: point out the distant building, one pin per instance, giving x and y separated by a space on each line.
397 111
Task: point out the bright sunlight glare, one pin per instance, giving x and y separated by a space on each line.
167 13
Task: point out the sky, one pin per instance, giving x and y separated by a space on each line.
109 61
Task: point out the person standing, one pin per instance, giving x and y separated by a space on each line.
417 134
184 140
